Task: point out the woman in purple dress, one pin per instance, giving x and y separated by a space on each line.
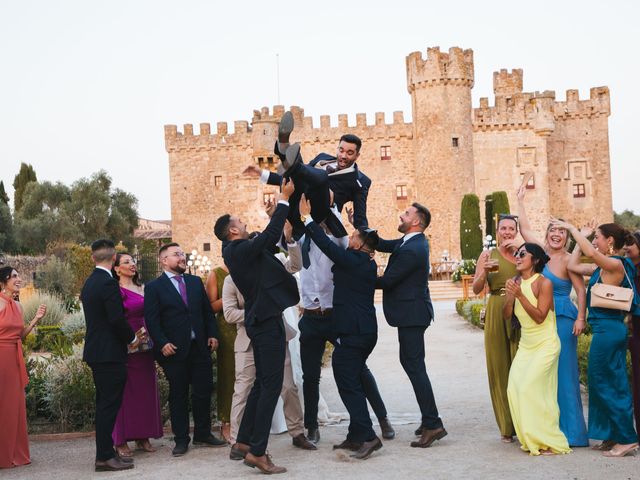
139 417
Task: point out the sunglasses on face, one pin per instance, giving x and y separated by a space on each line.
520 254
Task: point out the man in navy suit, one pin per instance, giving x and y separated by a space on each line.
355 328
325 180
407 306
105 350
184 332
268 289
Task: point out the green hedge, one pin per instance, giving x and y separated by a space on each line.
471 310
470 228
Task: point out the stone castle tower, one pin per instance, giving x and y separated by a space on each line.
449 149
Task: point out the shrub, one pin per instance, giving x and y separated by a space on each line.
35 393
500 203
470 228
56 277
78 257
459 303
70 393
74 327
470 310
55 309
490 227
465 267
50 338
476 309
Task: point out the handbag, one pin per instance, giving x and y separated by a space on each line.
611 296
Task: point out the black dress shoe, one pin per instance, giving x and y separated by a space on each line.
429 436
367 449
292 159
313 435
124 459
180 449
210 441
300 441
239 451
112 465
348 445
285 128
388 433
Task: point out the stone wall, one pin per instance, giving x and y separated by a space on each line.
25 265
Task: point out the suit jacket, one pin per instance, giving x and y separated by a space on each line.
233 306
345 187
354 278
405 284
169 320
108 331
264 282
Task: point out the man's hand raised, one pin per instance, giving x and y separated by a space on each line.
287 189
252 171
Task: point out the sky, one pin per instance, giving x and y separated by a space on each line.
89 85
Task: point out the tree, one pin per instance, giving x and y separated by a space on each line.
4 198
499 204
25 176
6 229
627 219
470 228
490 228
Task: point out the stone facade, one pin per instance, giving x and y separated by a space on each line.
449 149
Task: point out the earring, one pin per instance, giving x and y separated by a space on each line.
610 251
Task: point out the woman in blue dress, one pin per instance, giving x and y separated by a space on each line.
610 402
570 322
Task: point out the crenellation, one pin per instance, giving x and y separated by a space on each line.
307 123
205 129
507 83
240 126
379 118
222 128
455 68
361 119
187 128
343 120
398 117
325 121
170 132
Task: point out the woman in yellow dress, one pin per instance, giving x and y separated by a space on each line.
533 379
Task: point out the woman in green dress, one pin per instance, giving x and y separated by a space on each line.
501 339
226 372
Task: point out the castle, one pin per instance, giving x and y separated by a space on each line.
449 149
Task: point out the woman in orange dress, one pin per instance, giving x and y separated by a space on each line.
14 443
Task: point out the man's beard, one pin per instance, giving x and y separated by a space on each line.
180 269
403 227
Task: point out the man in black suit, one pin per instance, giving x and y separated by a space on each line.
105 350
184 332
268 289
325 180
407 306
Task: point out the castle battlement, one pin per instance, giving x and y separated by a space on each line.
573 107
507 83
304 132
453 68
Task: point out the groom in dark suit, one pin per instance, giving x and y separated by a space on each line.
268 289
184 332
407 305
105 350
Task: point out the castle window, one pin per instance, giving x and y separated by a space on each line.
454 142
217 181
385 152
531 184
578 190
267 163
206 247
401 192
268 197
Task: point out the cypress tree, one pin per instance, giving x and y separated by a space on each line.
488 216
4 198
470 229
26 175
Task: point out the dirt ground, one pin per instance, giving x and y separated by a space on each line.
472 450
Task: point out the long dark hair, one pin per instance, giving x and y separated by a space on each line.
538 255
620 235
136 276
5 274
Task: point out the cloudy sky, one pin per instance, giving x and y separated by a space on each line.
87 85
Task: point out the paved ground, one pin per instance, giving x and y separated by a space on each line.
472 450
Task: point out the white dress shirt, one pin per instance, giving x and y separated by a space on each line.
408 236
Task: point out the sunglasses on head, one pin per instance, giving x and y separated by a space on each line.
520 254
507 216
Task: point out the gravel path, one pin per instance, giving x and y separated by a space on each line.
472 450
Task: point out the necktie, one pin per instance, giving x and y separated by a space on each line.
182 287
306 246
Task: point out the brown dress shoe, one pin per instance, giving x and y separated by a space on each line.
348 445
300 441
112 465
263 463
388 433
419 431
239 451
367 449
429 436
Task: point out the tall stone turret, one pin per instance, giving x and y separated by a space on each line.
440 89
